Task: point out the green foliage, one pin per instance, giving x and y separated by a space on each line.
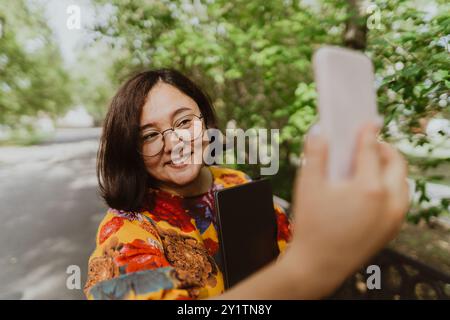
32 79
410 51
92 80
254 59
412 60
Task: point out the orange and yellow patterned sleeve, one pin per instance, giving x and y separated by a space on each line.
129 262
284 224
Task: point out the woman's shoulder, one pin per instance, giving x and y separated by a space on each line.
127 226
117 214
228 176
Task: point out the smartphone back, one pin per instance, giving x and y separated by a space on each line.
346 100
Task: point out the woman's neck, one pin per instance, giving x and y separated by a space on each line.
201 184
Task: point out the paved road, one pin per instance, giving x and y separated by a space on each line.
49 211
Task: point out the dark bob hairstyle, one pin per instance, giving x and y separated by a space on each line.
121 173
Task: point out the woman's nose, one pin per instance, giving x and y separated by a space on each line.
170 141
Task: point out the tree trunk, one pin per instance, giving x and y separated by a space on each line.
355 35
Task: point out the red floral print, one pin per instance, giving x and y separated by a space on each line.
232 178
211 246
109 228
139 255
170 209
284 228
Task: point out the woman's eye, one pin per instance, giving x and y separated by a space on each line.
149 136
184 123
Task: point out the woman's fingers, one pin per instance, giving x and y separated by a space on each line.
395 169
367 158
394 176
394 166
314 167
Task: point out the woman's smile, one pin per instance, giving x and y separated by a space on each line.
179 163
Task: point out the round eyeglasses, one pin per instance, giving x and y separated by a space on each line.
186 129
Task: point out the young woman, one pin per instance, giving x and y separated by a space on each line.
159 238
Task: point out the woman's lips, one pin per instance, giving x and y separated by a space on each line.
179 163
177 166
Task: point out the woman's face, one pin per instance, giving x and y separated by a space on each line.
165 104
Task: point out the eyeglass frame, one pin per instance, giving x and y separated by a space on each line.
200 117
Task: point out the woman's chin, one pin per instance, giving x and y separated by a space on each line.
182 175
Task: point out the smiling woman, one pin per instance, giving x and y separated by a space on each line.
159 238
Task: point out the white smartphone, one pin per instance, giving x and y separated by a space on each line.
346 100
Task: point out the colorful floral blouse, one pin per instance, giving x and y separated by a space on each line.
168 251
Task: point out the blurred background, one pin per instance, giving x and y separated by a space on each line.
61 61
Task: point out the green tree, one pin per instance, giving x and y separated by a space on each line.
409 47
254 58
32 77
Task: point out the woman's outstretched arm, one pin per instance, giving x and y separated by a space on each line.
337 227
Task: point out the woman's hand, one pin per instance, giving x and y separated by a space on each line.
339 226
